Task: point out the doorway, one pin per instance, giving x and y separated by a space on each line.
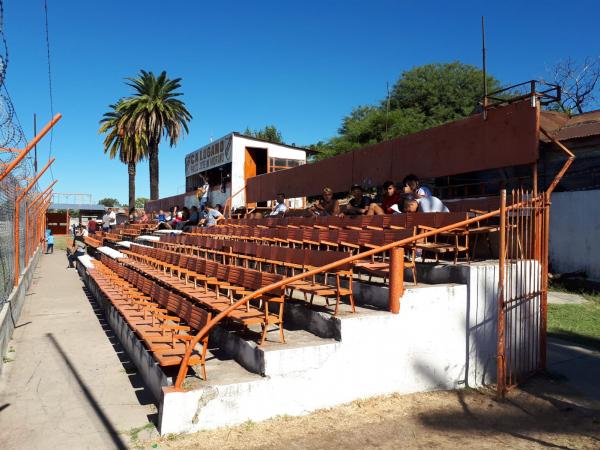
255 163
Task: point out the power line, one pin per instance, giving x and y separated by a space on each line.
49 83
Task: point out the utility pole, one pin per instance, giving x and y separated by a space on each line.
387 109
35 147
483 55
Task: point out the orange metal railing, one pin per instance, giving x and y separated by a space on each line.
396 280
228 202
34 210
397 264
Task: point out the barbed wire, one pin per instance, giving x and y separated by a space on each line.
11 132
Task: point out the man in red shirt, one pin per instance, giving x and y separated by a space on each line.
92 226
390 198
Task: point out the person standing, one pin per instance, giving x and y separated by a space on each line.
112 219
202 193
106 221
49 243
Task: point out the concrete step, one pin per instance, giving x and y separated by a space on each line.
301 351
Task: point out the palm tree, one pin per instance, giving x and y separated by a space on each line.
155 110
122 141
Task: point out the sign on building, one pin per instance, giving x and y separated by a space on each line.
212 155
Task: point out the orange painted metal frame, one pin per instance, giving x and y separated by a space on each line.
364 255
14 163
16 218
32 206
396 285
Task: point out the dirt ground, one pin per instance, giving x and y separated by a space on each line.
544 413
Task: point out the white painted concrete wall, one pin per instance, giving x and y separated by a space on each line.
422 348
575 232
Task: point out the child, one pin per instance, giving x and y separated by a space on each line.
49 243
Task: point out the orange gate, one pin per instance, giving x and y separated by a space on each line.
522 287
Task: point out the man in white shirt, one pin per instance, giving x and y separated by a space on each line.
112 219
106 221
202 193
412 186
280 208
212 216
425 204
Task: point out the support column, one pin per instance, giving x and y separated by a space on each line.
396 278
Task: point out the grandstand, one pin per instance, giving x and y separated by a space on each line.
257 317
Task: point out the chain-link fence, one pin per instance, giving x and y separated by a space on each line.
29 227
8 190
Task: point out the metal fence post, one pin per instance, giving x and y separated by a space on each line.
501 351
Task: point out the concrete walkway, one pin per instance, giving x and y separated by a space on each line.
67 383
579 370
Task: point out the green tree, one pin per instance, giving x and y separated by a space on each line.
155 112
441 92
109 202
122 141
269 133
140 202
423 97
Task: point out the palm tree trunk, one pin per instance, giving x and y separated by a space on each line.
131 169
153 162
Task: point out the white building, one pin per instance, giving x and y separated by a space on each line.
228 162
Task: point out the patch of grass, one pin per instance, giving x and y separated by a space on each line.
7 360
134 433
60 242
578 323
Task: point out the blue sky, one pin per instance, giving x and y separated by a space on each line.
298 65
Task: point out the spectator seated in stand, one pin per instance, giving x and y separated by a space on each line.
133 216
77 249
211 216
326 205
280 207
193 220
412 186
389 201
92 226
424 204
359 203
183 218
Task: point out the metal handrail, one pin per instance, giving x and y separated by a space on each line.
215 320
229 201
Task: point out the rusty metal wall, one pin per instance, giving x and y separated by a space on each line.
508 137
165 203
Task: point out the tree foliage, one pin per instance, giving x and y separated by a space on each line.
109 202
155 111
579 84
123 142
140 202
268 133
423 97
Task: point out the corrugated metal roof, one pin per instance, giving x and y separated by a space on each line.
563 127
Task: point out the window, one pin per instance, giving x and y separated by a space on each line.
277 164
